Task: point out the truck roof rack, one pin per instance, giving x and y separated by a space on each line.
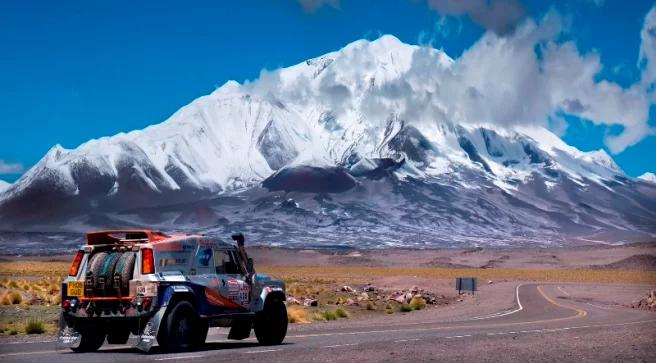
117 236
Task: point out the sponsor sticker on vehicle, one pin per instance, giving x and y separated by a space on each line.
233 289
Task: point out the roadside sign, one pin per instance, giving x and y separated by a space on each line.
466 284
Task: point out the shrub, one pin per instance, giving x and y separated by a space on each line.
417 303
297 315
341 313
55 300
370 306
389 308
318 317
13 284
34 326
405 308
14 298
327 315
13 332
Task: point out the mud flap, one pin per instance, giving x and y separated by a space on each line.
67 337
149 334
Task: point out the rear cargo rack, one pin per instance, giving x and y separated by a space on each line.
122 236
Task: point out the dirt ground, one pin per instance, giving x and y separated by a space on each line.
595 256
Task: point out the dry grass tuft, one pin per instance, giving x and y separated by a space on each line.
46 291
325 315
417 303
35 326
297 315
341 313
12 298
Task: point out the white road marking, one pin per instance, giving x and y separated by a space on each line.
339 345
262 351
407 340
36 342
181 357
563 291
29 353
503 313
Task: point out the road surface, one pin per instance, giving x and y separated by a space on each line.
545 325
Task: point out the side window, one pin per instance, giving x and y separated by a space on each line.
204 261
226 263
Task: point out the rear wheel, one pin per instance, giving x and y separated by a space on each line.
181 328
93 338
271 323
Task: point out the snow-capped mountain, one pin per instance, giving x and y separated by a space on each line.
649 177
361 141
4 185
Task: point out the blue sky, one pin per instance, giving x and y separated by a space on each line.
75 70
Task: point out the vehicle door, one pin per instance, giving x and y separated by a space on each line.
202 267
232 283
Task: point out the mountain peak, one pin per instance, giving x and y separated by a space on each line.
649 177
389 41
372 117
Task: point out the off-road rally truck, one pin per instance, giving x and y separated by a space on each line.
166 288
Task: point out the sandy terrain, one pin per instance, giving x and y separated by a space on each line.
520 258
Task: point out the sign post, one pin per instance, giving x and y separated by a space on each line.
466 284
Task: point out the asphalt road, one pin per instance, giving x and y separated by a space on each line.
546 325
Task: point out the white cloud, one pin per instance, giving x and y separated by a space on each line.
10 168
647 58
527 77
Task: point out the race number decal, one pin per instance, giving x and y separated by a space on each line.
245 294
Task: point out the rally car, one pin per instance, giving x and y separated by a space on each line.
167 289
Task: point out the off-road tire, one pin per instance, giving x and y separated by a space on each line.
107 272
93 338
94 265
271 323
125 268
179 330
202 330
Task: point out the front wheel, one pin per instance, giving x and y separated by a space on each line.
181 328
271 323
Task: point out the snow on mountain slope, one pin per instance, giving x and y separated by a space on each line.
238 135
649 177
4 185
374 109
